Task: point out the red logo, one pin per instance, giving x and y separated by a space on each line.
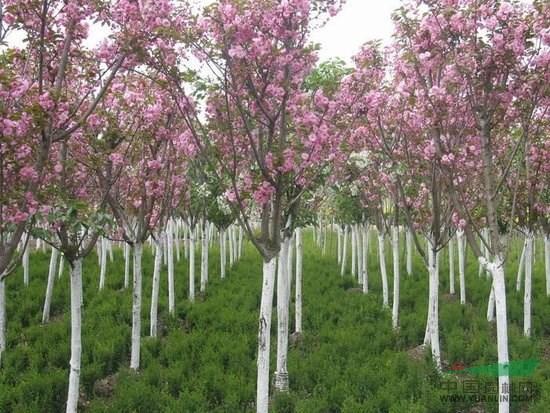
457 366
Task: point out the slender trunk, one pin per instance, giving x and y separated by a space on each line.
491 304
547 262
26 254
353 252
431 337
408 241
344 251
231 246
281 373
176 231
204 257
298 300
191 264
136 307
451 267
102 262
521 266
339 233
264 327
383 272
395 251
156 286
169 236
240 254
61 265
359 243
2 317
222 253
365 246
49 289
126 265
76 344
461 265
528 285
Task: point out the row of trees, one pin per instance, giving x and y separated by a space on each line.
445 131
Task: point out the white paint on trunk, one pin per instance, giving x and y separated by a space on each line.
344 251
451 267
155 289
547 262
298 299
365 247
126 265
353 252
136 307
61 265
408 241
383 271
26 254
204 257
223 255
431 337
283 292
528 285
76 343
231 246
192 264
461 265
521 266
49 288
102 262
264 327
395 254
2 316
169 236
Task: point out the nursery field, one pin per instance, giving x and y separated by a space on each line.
349 359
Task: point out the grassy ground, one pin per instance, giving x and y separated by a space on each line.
349 359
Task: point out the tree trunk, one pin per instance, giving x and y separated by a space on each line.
451 267
61 265
191 264
365 246
344 251
339 234
155 288
461 265
204 257
169 237
2 317
353 252
231 246
264 327
432 326
283 290
395 251
528 285
383 272
126 265
102 262
223 255
521 266
49 289
547 262
408 241
136 307
76 344
26 254
298 300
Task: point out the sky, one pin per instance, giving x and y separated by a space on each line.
358 22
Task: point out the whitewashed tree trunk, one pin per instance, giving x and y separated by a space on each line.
204 257
102 262
223 255
339 234
2 316
547 262
491 304
365 255
169 236
359 242
383 271
235 246
49 288
156 286
344 251
231 246
283 290
191 264
408 242
451 267
521 266
353 252
461 266
497 271
298 300
176 231
126 265
76 343
136 307
264 327
26 254
395 253
110 249
431 337
290 262
528 285
240 250
61 265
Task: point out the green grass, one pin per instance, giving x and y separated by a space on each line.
349 360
